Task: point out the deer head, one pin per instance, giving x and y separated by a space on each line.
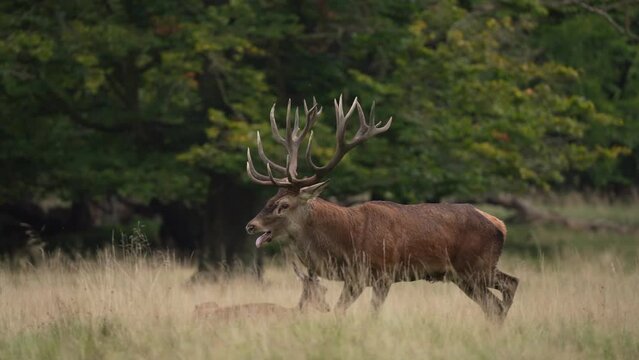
313 293
286 211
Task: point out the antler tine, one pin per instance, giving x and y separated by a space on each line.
291 170
312 115
275 181
366 131
319 111
296 126
341 147
375 126
353 106
379 130
260 150
306 109
307 113
295 138
254 179
371 115
289 131
363 126
253 174
309 160
291 145
340 121
337 110
274 129
376 129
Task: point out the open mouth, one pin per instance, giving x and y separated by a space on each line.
264 239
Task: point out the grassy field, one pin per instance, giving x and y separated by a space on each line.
579 301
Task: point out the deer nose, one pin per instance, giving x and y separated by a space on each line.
250 228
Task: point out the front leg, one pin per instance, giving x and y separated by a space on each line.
351 291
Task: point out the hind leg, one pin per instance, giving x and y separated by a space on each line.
507 285
478 292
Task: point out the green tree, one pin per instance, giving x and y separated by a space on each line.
99 99
155 103
599 40
476 112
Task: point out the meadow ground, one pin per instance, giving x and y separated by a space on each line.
577 299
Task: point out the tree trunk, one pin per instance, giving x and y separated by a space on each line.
225 245
181 228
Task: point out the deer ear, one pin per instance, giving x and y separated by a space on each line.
313 191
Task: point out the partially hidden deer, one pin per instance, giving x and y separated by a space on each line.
313 298
375 243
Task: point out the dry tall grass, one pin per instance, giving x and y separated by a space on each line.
139 308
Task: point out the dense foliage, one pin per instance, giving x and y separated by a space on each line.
154 103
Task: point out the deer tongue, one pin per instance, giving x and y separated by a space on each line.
263 239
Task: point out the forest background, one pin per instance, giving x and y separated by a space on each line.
123 117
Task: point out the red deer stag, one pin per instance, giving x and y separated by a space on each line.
313 297
376 243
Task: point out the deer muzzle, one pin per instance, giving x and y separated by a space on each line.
253 228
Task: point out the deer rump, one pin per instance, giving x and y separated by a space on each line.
401 242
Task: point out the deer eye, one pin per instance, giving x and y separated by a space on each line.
282 206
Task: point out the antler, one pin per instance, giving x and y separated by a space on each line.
294 137
291 142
